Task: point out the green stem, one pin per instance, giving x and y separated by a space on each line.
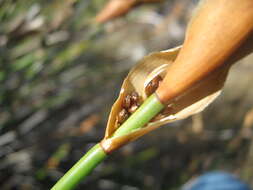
81 169
150 108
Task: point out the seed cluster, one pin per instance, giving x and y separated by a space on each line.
129 105
132 101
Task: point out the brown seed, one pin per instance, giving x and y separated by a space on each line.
148 89
133 108
126 102
122 116
153 85
134 97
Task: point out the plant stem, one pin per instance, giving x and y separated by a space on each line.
150 108
81 169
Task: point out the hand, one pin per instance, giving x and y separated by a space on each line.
214 33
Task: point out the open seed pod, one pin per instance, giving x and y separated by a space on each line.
154 66
148 69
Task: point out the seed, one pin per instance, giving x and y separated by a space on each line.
126 102
122 116
133 108
134 97
130 104
153 85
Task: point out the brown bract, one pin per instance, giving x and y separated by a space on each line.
193 101
140 76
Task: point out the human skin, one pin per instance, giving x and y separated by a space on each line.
216 30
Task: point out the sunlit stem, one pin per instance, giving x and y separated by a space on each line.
149 109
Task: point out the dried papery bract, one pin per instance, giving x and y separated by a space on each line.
153 67
193 101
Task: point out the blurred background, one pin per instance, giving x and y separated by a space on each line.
60 73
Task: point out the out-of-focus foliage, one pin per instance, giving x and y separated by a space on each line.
59 75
